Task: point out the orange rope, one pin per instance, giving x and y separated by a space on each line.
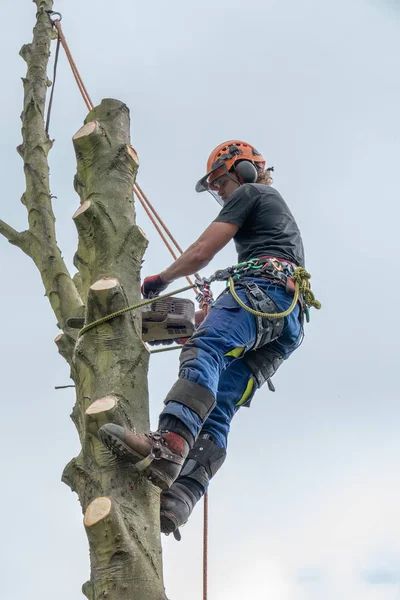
144 201
205 546
74 68
148 207
171 237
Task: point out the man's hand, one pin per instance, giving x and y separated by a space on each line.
153 285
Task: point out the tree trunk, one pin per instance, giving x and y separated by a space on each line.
108 363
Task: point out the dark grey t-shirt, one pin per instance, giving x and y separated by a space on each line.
266 225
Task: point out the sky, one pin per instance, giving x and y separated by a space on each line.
306 504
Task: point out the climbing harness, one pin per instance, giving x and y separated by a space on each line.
300 278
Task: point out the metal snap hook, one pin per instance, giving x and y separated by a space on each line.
276 264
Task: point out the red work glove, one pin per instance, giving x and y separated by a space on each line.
153 285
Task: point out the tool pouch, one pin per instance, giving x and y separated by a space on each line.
263 364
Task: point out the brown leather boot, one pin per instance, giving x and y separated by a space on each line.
161 453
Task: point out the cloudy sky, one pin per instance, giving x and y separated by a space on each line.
307 504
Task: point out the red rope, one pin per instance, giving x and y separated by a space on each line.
153 216
205 546
171 237
144 201
74 68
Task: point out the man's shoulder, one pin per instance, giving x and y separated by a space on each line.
263 190
253 194
251 190
256 193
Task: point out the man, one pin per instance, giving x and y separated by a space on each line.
232 353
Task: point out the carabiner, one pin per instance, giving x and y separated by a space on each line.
277 265
54 16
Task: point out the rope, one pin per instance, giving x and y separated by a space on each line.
167 231
54 84
144 201
148 207
74 68
165 349
300 278
164 239
205 546
118 313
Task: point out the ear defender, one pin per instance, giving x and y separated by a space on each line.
246 171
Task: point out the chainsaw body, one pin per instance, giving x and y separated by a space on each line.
168 319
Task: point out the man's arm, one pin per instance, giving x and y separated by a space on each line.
199 254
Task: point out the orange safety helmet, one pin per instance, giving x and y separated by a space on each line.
224 158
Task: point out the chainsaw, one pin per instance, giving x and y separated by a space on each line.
165 319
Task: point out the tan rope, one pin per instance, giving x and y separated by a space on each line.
205 547
167 231
144 201
74 68
141 196
146 204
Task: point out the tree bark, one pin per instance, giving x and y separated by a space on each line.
39 242
109 363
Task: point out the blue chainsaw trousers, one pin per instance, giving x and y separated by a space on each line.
215 358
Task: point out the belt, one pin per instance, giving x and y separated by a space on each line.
280 265
276 270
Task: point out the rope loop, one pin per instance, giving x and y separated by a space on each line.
301 279
302 288
258 313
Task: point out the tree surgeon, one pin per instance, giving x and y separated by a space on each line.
232 353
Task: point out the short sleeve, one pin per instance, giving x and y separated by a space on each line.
237 210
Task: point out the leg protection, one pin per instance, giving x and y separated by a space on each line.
268 330
263 364
196 397
178 502
203 460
